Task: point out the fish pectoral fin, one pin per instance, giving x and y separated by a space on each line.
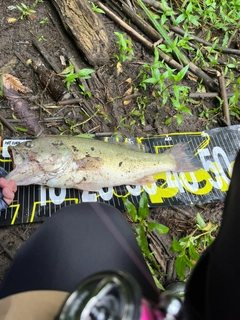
143 181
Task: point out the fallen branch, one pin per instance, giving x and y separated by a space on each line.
11 86
223 94
8 125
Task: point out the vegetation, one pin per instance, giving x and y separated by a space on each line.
143 227
190 247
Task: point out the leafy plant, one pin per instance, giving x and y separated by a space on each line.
44 21
25 10
42 38
190 247
71 76
143 227
163 78
95 8
125 47
140 111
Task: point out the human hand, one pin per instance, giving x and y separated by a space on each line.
9 188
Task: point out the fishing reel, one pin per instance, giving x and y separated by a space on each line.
116 295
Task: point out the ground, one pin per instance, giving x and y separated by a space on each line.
106 110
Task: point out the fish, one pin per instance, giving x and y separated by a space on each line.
90 164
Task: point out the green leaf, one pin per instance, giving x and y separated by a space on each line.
143 209
188 262
180 265
20 129
142 241
168 121
192 252
179 76
151 80
84 73
68 70
158 284
176 247
200 221
161 229
179 119
132 211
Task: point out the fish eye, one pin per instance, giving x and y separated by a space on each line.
28 144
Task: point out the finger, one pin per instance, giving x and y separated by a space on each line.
7 193
11 184
3 182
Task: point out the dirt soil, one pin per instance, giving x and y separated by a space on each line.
107 87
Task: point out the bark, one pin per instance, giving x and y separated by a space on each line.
86 29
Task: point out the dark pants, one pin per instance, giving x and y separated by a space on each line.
213 290
78 241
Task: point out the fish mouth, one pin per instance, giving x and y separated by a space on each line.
18 157
19 172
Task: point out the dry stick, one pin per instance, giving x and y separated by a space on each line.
157 5
7 124
206 43
223 94
184 212
46 56
233 35
69 101
206 95
192 67
142 24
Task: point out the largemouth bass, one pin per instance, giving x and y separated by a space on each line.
88 164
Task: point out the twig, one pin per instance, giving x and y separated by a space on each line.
142 24
69 101
20 57
157 5
131 96
184 212
223 94
104 134
7 124
233 35
207 95
206 43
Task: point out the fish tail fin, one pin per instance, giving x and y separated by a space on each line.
184 157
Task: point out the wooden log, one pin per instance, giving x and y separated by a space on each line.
86 29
